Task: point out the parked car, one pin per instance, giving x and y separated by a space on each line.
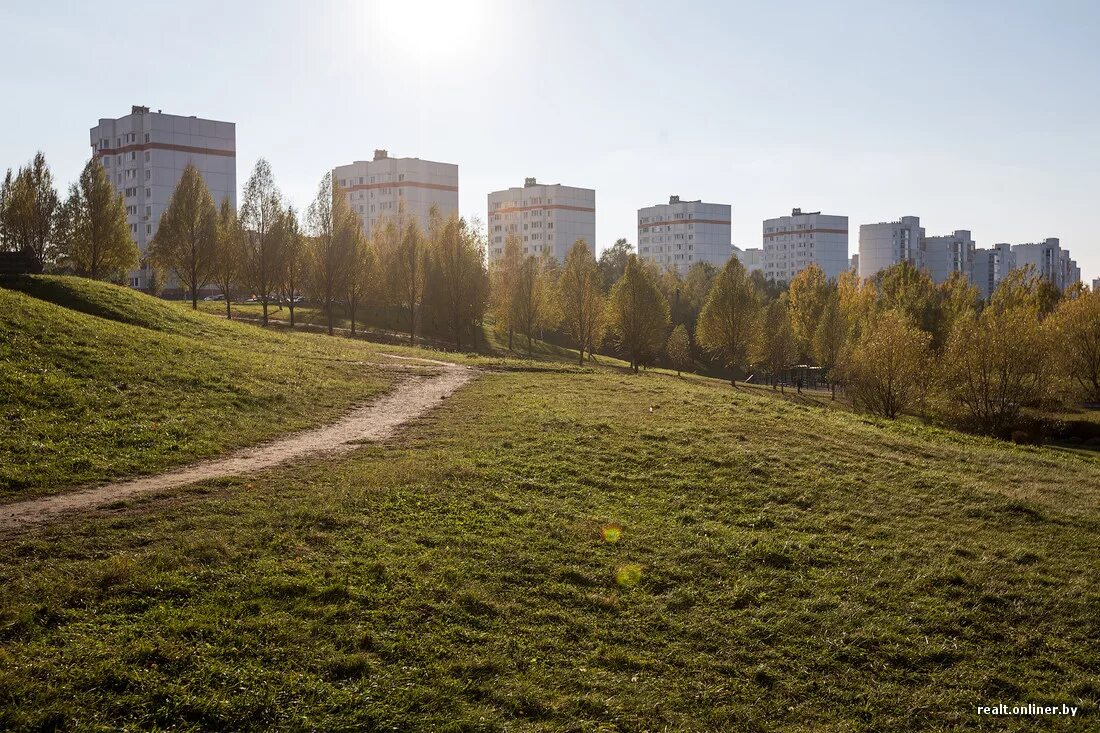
212 298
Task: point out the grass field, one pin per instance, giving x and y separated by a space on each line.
584 551
97 382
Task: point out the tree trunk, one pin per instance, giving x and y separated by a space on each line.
194 299
832 388
328 315
228 308
412 325
582 355
264 301
291 306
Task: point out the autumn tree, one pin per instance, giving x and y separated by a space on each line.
637 313
909 289
292 270
328 255
29 208
830 340
228 266
807 293
1076 328
728 319
186 238
261 211
678 349
459 279
773 345
503 280
888 368
959 299
404 267
532 306
94 236
581 297
613 262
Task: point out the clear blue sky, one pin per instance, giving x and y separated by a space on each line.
972 115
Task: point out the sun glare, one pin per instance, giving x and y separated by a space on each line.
431 31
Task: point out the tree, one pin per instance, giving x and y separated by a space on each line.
29 211
888 367
678 348
728 318
994 365
959 299
1076 324
261 211
613 262
359 258
405 271
186 239
95 238
292 269
460 281
808 292
532 307
638 314
327 256
774 344
581 297
1027 288
156 280
830 340
907 288
503 280
229 254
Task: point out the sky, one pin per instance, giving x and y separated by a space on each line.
971 115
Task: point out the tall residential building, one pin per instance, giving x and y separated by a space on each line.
546 218
751 258
950 253
1049 260
384 186
793 243
681 233
990 267
1096 285
887 243
145 153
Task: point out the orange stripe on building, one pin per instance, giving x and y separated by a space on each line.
401 184
806 231
165 146
673 222
561 207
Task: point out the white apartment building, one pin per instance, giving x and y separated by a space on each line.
949 253
1049 260
793 243
546 218
990 267
385 186
145 153
751 258
887 243
680 234
1096 285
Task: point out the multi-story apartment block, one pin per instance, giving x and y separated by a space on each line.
949 253
145 153
990 267
751 258
1049 261
793 243
386 187
680 234
1096 285
887 243
547 219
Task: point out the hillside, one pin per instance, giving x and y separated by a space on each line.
579 551
98 381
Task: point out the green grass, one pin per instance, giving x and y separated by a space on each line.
98 381
794 568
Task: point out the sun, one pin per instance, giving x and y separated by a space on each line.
429 31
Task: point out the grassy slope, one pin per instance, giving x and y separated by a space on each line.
97 381
800 569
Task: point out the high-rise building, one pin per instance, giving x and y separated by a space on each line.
680 234
751 258
145 153
385 186
990 267
1096 285
949 253
1049 260
793 243
887 243
547 219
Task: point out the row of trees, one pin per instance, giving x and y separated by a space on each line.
85 233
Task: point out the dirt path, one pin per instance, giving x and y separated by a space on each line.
414 394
